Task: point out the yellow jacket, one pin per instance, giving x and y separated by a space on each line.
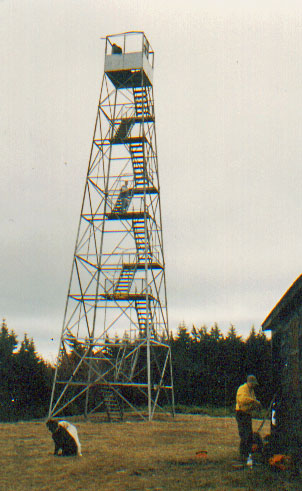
245 399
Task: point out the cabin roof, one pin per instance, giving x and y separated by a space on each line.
287 305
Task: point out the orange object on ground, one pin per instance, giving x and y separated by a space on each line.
282 462
202 454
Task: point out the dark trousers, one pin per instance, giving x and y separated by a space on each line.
245 430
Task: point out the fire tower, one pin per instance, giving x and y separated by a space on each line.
114 349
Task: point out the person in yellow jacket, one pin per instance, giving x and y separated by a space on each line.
246 403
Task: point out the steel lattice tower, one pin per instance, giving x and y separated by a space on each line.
114 348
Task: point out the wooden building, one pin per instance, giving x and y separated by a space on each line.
285 324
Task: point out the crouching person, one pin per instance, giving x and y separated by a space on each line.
66 438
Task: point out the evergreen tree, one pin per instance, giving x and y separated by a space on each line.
259 362
234 356
8 344
182 366
208 367
33 382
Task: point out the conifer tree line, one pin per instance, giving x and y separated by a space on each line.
208 367
25 378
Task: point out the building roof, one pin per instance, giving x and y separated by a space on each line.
290 303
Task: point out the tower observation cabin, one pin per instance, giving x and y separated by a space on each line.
114 353
129 68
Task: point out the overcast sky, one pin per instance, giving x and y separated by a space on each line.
227 85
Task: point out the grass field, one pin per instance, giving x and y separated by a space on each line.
160 455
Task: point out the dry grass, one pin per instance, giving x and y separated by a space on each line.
160 455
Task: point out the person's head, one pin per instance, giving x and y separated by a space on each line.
52 425
252 381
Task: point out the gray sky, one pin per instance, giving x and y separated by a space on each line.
228 104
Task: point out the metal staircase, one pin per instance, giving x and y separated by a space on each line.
143 108
124 127
120 206
125 280
142 317
140 237
112 404
136 150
